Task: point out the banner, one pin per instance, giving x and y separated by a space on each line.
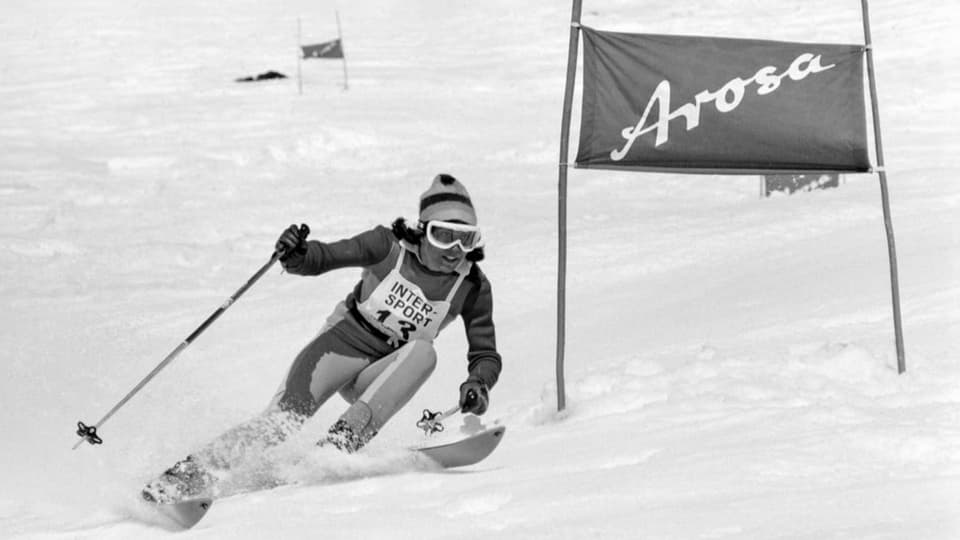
329 49
702 104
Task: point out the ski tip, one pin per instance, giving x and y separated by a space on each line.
464 452
187 513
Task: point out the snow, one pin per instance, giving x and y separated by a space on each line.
731 371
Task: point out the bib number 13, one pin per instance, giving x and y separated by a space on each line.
403 326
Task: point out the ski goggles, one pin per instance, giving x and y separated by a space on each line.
445 235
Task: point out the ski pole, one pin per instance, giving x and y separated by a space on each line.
89 433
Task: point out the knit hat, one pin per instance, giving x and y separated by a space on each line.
447 200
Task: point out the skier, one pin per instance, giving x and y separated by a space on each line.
376 349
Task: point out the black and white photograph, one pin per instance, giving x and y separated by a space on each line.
448 269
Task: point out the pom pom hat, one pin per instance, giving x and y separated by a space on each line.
447 200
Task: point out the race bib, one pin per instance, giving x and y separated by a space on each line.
399 309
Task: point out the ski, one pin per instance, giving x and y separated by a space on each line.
186 513
460 453
465 452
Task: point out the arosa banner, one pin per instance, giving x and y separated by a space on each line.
719 105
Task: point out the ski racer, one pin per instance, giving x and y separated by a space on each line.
376 348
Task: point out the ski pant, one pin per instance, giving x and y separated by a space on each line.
374 378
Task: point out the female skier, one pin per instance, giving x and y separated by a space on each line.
376 349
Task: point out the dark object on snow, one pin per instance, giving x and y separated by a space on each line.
263 77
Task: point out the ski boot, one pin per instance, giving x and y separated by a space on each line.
353 430
342 437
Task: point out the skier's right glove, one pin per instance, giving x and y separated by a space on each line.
293 241
474 397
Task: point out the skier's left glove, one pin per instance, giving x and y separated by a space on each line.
474 397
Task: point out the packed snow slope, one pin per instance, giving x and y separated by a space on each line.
730 364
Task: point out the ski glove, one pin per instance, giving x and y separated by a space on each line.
292 241
474 397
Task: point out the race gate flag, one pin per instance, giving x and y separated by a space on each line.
705 104
327 49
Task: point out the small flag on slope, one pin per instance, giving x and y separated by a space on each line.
328 49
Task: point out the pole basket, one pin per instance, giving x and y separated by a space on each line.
430 422
89 433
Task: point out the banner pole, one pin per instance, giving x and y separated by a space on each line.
562 199
884 193
342 50
299 59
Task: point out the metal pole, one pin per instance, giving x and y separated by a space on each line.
299 58
562 199
884 194
91 435
342 51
